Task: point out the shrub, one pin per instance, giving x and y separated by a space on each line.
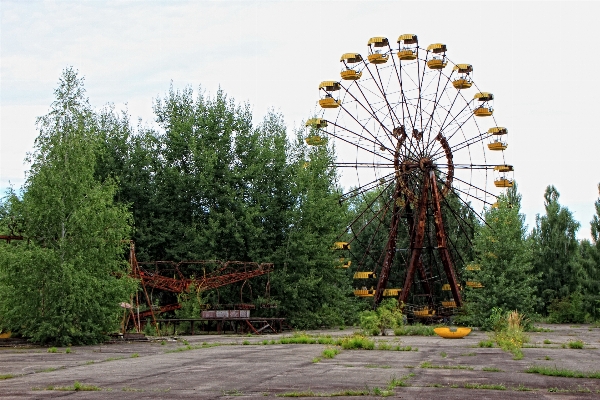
357 342
415 330
387 316
576 344
330 353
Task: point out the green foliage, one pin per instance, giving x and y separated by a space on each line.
64 284
509 334
555 250
538 369
505 258
575 344
567 310
387 316
330 352
355 342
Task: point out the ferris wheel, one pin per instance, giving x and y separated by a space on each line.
423 145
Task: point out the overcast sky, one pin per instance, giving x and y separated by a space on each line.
540 59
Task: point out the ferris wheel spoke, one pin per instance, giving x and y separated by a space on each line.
473 186
435 104
449 109
459 146
366 187
371 113
363 165
356 144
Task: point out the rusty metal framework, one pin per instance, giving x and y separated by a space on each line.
153 275
407 127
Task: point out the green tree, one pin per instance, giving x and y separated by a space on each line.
555 252
312 292
64 284
589 258
504 255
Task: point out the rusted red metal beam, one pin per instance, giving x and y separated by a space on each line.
390 249
440 234
417 237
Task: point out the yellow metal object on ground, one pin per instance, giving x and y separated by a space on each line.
329 102
5 335
475 285
497 145
364 275
378 58
341 246
407 54
436 64
503 183
452 333
364 292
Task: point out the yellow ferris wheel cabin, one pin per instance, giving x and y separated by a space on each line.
375 55
349 74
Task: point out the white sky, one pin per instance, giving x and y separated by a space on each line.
540 59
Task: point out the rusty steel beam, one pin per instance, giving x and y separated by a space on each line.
441 241
390 250
416 242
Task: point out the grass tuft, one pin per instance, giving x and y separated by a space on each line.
484 386
575 344
567 373
330 353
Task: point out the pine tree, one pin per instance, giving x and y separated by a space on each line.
504 257
555 252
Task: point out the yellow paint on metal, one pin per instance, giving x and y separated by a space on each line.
437 47
329 102
391 292
452 333
407 54
378 41
474 285
330 86
341 246
497 146
462 83
483 111
504 168
463 68
436 64
424 313
364 293
364 275
503 183
316 123
408 38
351 58
378 58
315 140
350 75
450 304
498 130
483 96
